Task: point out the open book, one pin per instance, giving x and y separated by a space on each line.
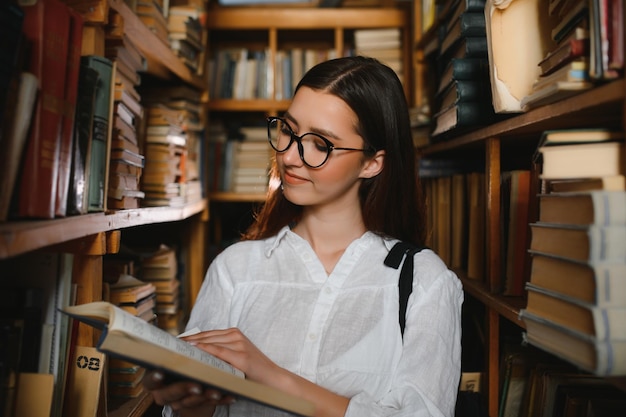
131 338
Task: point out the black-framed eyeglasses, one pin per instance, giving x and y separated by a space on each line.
314 149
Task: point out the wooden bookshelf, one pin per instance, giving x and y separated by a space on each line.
24 236
265 26
603 105
91 236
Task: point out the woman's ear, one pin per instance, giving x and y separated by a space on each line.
373 165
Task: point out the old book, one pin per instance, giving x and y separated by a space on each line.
69 113
516 260
461 91
583 160
468 24
554 92
461 6
100 131
128 289
464 69
602 208
81 148
466 47
29 383
568 51
601 322
462 114
573 71
141 307
46 27
85 380
581 243
14 140
607 183
156 348
598 283
599 356
513 58
581 135
477 211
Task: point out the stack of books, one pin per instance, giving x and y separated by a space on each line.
161 270
151 13
250 161
187 34
463 96
165 147
576 293
565 69
138 298
382 44
172 146
126 160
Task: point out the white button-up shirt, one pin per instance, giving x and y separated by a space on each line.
341 330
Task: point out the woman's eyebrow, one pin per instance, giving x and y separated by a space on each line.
322 132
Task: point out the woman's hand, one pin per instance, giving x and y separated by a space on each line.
186 398
232 346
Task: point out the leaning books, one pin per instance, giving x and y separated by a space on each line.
130 338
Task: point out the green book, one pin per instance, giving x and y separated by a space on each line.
100 131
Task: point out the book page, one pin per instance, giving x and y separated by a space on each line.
131 326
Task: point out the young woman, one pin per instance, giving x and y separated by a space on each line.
305 303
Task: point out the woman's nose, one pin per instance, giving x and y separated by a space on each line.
292 155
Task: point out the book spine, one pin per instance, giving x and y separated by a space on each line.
473 24
14 142
46 26
470 113
81 148
476 47
100 131
469 68
67 132
469 90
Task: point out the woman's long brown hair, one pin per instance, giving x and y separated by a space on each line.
392 202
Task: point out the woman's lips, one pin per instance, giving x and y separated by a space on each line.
290 178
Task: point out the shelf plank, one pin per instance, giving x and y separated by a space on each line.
592 107
313 18
24 236
260 105
507 307
153 47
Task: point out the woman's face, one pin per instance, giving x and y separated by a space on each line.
339 178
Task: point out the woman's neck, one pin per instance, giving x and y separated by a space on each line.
330 233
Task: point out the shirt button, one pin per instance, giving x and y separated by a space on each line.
312 336
328 290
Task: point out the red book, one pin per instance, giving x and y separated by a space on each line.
46 29
67 129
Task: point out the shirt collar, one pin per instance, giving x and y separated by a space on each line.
272 243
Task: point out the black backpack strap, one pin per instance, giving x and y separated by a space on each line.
400 251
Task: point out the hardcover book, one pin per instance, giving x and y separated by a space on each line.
100 131
602 208
587 243
468 24
81 147
67 129
601 322
152 347
600 356
599 283
46 28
